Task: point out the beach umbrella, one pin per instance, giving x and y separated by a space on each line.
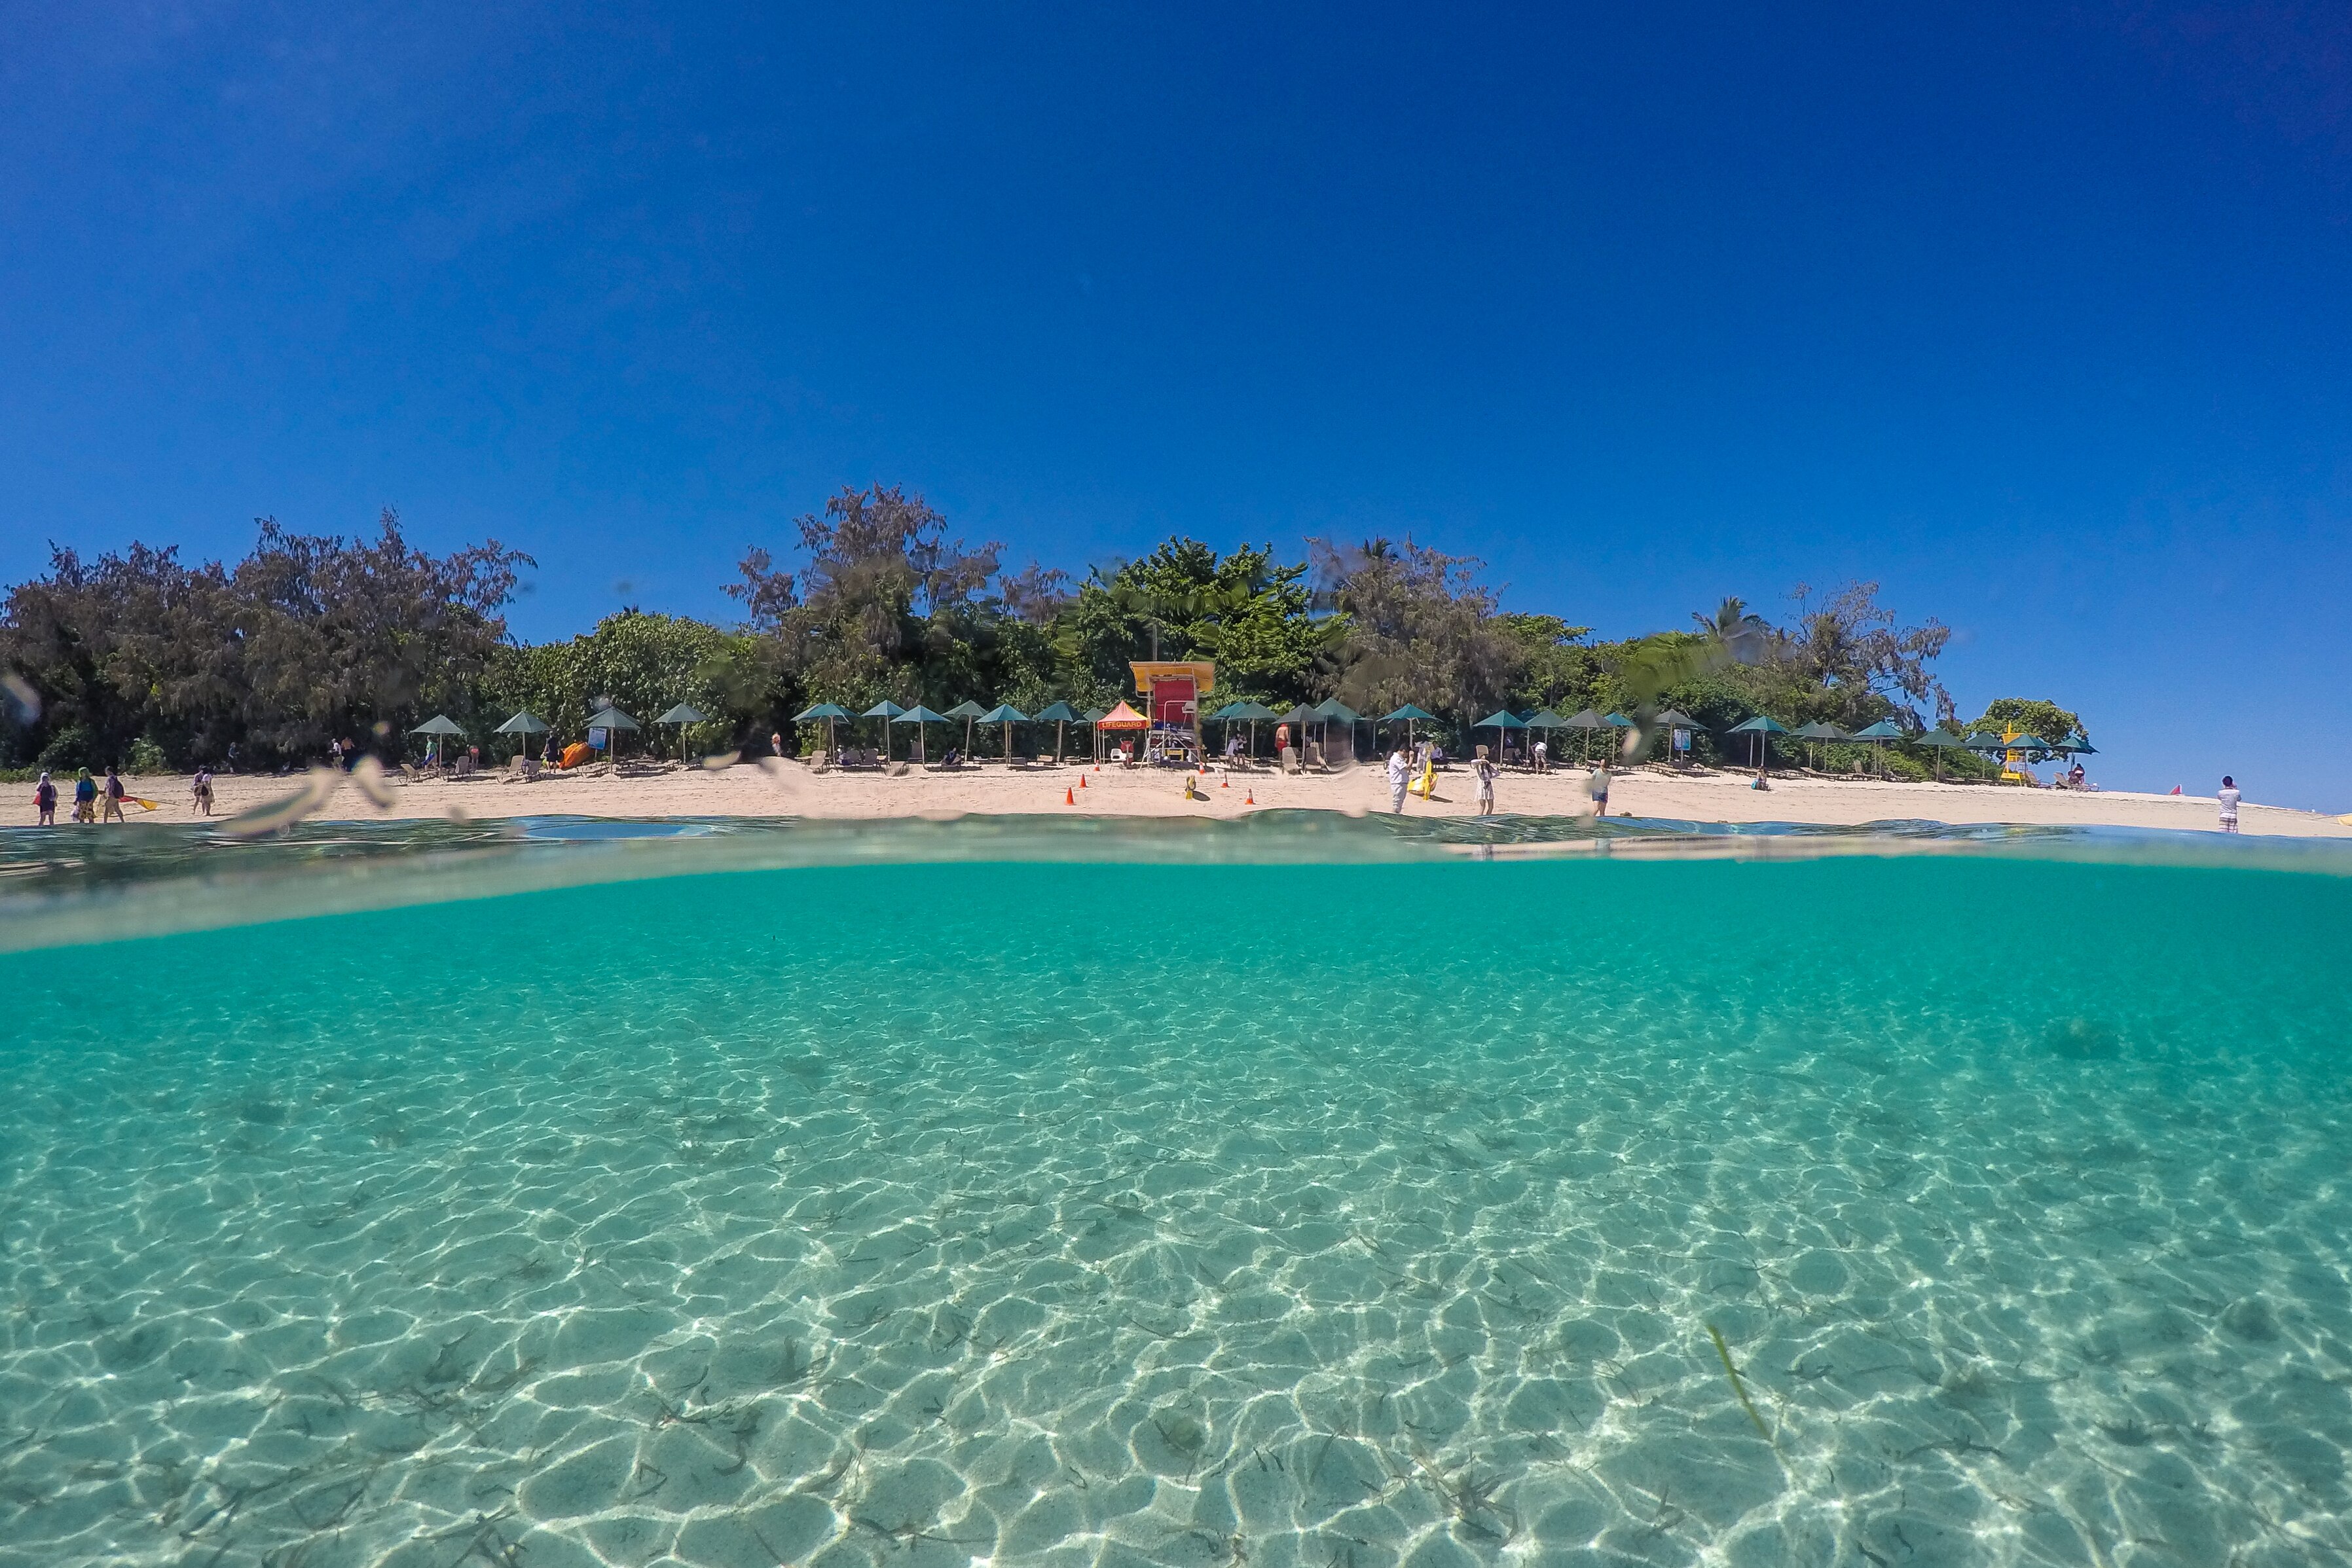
1094 717
1590 722
2077 745
1877 734
1672 719
682 716
1331 711
885 710
1545 719
524 725
1499 721
1762 726
1008 716
611 721
1410 715
831 712
438 725
1819 731
967 710
918 715
1249 712
1058 715
1942 741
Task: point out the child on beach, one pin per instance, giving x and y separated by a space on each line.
1484 769
114 793
1400 775
2228 800
200 790
45 800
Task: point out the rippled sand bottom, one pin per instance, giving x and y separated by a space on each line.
1351 1215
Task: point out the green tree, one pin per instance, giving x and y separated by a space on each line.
2042 719
1249 612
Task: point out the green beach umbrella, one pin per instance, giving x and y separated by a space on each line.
1331 711
1877 734
885 710
1590 722
918 715
1762 726
1008 716
438 726
1409 715
1941 740
2078 744
1250 713
830 713
611 721
1058 714
524 724
1672 719
682 716
1093 717
1818 731
1500 721
966 710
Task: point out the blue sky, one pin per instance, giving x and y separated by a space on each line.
2037 314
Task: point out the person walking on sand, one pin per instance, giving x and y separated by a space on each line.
1596 784
200 790
2228 800
114 793
1400 775
84 797
1484 770
45 801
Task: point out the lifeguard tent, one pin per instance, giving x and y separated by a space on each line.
1171 690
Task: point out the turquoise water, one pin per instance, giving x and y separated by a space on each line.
1194 1214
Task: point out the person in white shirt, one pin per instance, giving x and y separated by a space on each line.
2228 800
1400 775
1484 769
1541 754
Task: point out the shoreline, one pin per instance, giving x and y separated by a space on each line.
751 789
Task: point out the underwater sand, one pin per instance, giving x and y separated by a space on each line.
1353 1214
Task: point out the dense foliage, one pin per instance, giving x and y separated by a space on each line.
312 638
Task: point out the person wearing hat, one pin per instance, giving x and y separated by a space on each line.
84 797
1484 769
45 800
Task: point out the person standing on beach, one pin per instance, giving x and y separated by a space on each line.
85 798
2228 800
200 790
45 800
1484 769
1596 784
114 793
1400 775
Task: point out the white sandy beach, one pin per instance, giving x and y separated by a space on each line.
791 789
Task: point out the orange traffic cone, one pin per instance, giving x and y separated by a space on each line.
1082 780
1226 784
1252 799
1070 796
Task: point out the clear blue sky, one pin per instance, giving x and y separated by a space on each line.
2039 314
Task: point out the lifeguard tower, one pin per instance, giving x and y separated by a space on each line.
1171 690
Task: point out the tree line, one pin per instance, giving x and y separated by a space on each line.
146 661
